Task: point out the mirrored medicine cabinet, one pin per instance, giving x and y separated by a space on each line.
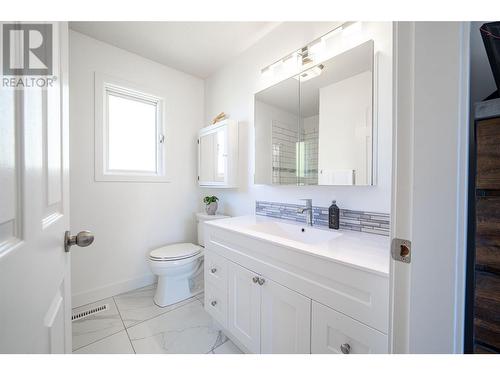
317 128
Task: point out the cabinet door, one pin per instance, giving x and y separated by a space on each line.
213 157
206 159
244 307
286 320
333 332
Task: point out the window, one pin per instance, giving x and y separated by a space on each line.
129 132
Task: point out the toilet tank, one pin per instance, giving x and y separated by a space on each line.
201 217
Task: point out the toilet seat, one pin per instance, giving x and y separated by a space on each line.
176 251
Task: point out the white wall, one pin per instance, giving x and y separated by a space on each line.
231 90
128 219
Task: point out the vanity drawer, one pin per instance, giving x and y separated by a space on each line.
216 303
333 332
215 270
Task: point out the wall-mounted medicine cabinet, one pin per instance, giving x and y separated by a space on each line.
218 155
317 127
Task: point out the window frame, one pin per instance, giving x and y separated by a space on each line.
105 85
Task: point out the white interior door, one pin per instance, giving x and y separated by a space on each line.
285 320
431 70
35 305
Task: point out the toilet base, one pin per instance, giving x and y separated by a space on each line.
170 290
178 280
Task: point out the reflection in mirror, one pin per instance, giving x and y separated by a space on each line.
276 136
336 120
317 128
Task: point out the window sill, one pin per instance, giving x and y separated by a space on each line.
131 178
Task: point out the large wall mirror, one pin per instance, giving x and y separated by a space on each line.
317 128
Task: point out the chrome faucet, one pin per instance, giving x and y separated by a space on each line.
309 209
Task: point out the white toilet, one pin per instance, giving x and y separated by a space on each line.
179 267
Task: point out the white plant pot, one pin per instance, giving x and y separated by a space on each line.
211 208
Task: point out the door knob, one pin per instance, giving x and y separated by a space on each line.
82 239
345 348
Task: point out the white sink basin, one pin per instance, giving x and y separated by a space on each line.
304 234
364 250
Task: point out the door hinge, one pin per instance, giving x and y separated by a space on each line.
401 250
198 178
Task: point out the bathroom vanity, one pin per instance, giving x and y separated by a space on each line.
279 287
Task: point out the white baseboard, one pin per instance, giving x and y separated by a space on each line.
111 290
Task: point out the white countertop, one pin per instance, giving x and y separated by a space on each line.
366 251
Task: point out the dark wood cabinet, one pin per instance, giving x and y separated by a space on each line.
488 233
488 154
487 310
482 323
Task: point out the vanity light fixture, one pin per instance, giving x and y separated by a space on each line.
266 72
309 54
313 52
288 63
306 57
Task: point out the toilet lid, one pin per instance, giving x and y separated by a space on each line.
175 251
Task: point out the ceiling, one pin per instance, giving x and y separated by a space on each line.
197 48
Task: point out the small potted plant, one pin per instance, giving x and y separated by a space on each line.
211 204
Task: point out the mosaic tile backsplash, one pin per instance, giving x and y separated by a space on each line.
360 221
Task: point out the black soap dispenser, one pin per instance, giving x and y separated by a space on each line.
333 216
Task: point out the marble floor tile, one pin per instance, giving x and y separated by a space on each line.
201 298
187 329
137 305
117 343
227 348
97 326
221 339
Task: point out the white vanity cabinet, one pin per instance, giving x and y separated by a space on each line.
218 155
262 315
270 298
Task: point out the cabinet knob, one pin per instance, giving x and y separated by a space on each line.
261 281
255 279
213 270
213 303
345 348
